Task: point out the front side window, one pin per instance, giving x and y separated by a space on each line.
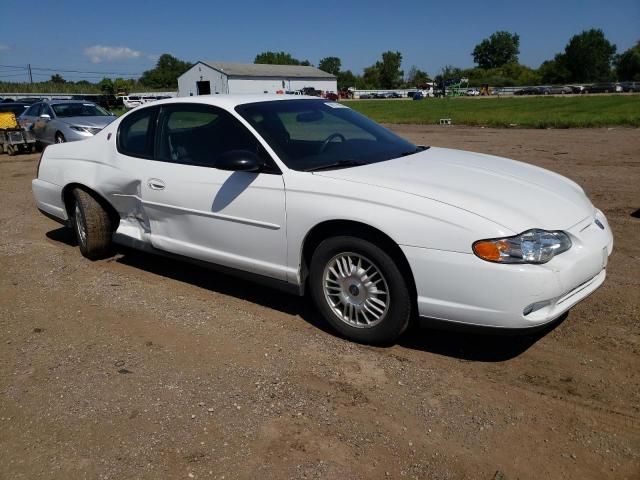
199 134
135 133
315 134
79 110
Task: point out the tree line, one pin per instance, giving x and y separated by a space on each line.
588 57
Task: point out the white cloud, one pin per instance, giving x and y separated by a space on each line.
103 53
4 47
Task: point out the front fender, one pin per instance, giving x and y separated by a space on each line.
407 219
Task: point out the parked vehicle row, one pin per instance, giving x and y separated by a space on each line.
380 95
604 87
133 101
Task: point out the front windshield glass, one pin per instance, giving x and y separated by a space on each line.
316 134
79 110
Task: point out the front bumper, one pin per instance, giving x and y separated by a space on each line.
461 288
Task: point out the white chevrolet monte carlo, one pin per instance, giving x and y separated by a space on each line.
308 195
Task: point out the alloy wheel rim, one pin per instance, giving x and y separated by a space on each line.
356 290
80 228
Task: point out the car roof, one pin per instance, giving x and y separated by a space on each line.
230 101
58 101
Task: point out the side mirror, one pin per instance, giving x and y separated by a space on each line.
46 116
240 161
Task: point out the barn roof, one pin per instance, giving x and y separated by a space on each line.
263 70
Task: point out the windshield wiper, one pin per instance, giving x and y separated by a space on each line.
338 164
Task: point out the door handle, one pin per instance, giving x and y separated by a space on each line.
155 184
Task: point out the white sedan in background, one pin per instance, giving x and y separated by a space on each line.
307 195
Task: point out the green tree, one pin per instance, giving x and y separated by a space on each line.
370 78
279 58
123 85
588 57
449 72
166 72
628 64
499 49
346 80
389 70
57 78
330 65
416 77
554 71
106 86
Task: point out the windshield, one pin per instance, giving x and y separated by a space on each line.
315 134
79 110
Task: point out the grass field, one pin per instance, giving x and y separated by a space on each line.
539 112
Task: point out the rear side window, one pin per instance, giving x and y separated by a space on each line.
135 134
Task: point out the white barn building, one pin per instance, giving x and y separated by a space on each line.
206 78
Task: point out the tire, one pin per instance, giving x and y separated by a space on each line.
351 300
60 138
11 150
92 225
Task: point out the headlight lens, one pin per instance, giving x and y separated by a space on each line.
532 246
91 130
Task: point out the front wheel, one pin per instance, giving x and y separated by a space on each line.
60 138
360 290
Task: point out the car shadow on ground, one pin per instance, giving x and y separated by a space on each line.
486 346
63 235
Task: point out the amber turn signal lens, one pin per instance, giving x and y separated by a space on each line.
489 250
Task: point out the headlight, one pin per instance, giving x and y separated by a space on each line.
532 246
91 130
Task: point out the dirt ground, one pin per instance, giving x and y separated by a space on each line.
142 367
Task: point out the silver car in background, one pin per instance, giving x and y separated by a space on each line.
59 121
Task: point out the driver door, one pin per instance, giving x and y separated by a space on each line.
236 219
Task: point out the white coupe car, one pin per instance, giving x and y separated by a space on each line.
307 194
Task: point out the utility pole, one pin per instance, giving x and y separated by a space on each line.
30 76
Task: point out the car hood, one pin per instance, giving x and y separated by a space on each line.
513 194
99 122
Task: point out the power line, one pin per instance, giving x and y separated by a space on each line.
12 75
60 70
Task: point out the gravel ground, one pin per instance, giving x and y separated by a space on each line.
142 367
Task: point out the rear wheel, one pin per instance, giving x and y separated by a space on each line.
92 225
360 290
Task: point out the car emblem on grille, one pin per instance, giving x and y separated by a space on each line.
599 223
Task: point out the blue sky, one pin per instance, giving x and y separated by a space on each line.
126 37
